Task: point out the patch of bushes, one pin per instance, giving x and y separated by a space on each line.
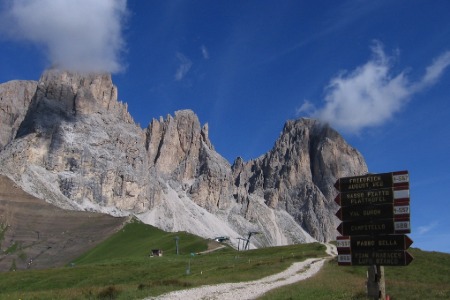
11 249
111 292
168 282
13 266
3 228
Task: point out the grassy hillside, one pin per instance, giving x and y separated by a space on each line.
35 234
427 277
121 268
136 240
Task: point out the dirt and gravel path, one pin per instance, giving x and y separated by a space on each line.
253 289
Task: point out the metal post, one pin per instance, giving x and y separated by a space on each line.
188 270
176 244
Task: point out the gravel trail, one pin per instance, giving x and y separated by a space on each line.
253 289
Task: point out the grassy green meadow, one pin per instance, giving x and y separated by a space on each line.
121 268
427 277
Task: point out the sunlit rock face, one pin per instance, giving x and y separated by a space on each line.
15 98
298 174
67 139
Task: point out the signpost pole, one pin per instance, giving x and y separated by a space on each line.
376 287
382 282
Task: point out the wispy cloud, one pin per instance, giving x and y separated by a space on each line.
205 52
426 228
434 71
184 67
371 94
80 35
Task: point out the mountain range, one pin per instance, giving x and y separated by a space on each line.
67 140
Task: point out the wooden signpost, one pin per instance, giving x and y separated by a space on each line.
373 197
375 227
375 214
379 257
381 242
373 181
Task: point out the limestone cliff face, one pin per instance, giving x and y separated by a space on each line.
179 149
76 140
298 174
15 98
71 142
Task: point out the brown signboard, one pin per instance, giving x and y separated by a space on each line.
372 212
347 244
370 257
375 227
373 197
372 181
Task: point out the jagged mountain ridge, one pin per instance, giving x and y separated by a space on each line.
75 145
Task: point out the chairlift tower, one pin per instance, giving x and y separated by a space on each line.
239 242
248 239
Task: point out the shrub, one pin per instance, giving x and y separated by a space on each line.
111 292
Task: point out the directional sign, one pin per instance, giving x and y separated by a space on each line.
370 257
372 181
347 244
372 212
375 227
378 196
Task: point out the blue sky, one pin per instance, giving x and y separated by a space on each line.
377 71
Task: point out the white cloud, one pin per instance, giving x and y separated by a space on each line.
434 71
184 67
82 35
307 108
371 95
205 52
426 228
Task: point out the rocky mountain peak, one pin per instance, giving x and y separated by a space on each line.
299 172
66 95
15 98
174 144
78 93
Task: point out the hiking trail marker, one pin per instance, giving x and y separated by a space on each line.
375 214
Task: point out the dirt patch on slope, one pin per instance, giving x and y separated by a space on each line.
35 234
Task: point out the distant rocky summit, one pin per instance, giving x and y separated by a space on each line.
68 140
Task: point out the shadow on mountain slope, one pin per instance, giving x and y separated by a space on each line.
35 234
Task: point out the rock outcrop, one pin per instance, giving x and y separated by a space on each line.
71 142
15 98
298 174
